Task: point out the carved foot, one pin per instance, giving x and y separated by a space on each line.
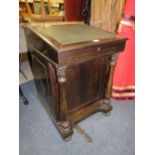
65 129
66 139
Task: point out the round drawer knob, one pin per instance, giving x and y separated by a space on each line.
98 49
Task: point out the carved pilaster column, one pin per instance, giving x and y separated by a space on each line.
64 125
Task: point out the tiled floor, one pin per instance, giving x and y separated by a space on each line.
25 67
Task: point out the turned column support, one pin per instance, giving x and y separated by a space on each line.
64 125
63 103
108 90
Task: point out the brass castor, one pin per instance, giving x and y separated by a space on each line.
66 139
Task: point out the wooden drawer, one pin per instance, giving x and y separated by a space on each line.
82 54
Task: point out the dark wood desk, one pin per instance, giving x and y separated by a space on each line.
73 67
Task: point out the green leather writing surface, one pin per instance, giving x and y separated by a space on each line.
74 33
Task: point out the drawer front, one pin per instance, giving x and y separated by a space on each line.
88 53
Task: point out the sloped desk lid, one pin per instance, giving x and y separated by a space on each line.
70 34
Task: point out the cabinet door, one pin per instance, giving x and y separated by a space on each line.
43 81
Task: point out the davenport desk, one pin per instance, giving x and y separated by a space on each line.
73 66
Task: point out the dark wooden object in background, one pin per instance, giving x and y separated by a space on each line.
73 68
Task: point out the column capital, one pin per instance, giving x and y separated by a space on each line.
113 59
61 74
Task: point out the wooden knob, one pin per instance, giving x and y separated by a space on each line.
98 49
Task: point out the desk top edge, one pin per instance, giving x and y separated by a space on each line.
59 46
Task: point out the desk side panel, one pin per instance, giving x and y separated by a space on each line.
86 82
